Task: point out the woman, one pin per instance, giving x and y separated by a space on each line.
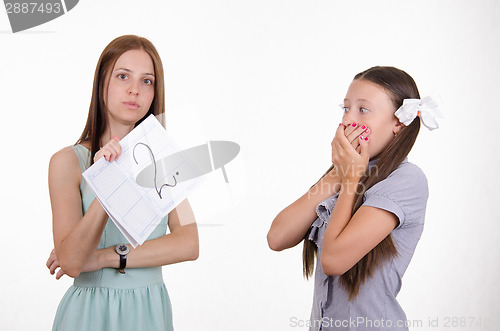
362 220
113 290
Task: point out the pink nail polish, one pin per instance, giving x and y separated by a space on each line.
363 127
361 137
340 124
366 138
354 124
367 130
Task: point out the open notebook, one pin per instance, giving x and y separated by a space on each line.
138 209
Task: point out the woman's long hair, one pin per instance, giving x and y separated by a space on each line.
400 86
97 118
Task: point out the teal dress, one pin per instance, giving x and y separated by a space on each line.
105 299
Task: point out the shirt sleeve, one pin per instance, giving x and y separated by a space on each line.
404 193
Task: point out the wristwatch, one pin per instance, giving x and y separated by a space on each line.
122 250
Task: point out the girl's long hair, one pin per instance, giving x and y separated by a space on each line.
400 86
97 117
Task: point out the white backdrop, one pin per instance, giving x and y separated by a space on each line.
267 75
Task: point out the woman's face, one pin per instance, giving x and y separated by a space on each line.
129 89
367 103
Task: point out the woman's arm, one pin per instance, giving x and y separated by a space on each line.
75 236
181 244
291 224
348 239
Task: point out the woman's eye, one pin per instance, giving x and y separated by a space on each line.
363 110
122 76
344 108
148 81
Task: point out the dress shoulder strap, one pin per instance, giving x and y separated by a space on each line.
83 156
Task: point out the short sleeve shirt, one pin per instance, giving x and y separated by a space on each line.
404 193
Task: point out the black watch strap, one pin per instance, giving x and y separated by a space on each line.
123 263
122 250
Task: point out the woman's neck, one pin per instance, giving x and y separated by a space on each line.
115 129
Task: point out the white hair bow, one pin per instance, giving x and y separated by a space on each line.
427 109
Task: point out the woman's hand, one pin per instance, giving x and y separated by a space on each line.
111 151
93 263
53 264
350 152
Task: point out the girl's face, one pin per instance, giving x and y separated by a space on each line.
369 104
129 89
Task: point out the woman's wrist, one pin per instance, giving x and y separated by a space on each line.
108 258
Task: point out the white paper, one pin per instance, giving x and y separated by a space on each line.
134 209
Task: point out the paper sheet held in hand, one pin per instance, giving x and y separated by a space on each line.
137 210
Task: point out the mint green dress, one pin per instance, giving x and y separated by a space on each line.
105 299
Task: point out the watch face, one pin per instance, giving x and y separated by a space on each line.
122 249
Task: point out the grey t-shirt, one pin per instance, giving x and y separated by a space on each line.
404 193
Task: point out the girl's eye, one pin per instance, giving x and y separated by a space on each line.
363 110
148 81
122 76
345 109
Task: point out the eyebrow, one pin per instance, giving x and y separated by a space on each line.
128 70
361 100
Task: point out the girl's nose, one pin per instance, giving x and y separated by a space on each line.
133 88
348 118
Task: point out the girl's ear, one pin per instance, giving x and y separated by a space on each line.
397 127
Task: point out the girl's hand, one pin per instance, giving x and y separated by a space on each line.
111 151
351 165
353 133
91 265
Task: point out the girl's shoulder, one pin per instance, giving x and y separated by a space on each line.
414 180
65 164
73 154
410 171
64 156
407 180
404 193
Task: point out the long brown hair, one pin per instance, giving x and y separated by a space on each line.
97 117
399 86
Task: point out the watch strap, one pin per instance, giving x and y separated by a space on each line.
123 263
122 250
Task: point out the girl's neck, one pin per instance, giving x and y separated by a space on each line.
115 129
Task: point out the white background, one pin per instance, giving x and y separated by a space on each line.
267 75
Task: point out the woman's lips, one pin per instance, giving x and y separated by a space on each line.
131 105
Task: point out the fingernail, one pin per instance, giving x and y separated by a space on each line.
340 124
361 137
363 127
354 124
366 138
367 130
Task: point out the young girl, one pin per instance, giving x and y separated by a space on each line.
113 290
362 220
